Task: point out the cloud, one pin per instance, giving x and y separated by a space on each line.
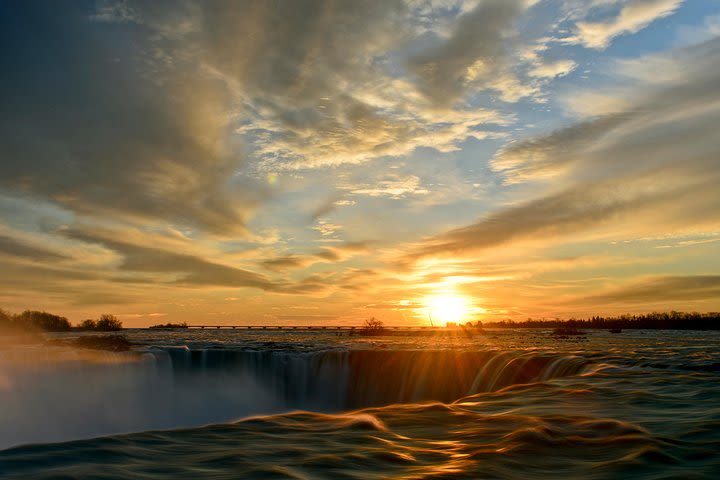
37 285
662 120
333 254
396 305
546 156
570 211
167 264
173 268
637 172
326 228
307 319
97 124
474 53
691 34
314 82
288 262
304 85
392 185
661 289
594 103
15 248
162 112
632 17
115 11
558 68
16 274
328 206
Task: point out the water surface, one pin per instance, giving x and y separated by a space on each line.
234 404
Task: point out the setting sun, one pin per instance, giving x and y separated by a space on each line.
444 309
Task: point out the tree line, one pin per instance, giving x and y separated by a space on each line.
39 320
169 326
650 321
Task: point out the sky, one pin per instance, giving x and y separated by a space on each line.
318 162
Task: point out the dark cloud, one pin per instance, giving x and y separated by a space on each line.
190 269
286 262
99 297
93 122
661 290
31 275
289 262
475 51
296 52
330 254
15 248
326 207
64 284
144 265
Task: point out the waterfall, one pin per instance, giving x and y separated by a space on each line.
58 393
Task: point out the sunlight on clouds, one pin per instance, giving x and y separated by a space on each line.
394 186
326 228
558 68
590 104
632 17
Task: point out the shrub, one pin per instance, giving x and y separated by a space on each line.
88 324
108 323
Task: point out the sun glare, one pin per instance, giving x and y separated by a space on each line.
444 309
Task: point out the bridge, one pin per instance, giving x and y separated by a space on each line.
333 328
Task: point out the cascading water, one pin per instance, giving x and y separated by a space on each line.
338 380
58 393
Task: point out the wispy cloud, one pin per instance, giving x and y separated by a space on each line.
16 248
633 16
557 68
392 185
336 253
660 290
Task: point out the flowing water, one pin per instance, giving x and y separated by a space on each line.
232 404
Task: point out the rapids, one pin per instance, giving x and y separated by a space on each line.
502 405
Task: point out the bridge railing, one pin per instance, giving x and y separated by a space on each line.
304 327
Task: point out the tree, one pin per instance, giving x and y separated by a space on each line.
374 324
108 323
170 325
373 327
43 320
88 324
